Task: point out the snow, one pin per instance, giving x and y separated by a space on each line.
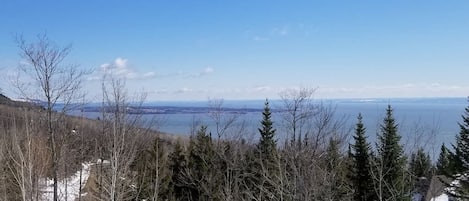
102 161
72 184
442 197
416 197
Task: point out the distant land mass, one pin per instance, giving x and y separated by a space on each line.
248 106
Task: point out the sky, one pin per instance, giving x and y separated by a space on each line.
195 50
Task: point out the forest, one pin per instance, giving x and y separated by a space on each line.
317 158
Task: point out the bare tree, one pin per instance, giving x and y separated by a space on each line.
309 127
27 155
43 64
297 108
223 121
122 138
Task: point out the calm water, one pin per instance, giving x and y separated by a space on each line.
428 122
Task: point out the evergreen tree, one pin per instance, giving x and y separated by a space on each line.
443 164
178 189
461 155
152 172
335 166
460 158
360 165
391 160
263 168
203 169
420 164
267 146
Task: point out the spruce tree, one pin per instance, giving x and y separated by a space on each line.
204 172
336 168
443 164
460 158
267 144
152 172
391 160
264 168
420 164
178 189
360 165
461 155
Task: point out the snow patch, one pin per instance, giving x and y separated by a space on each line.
68 188
442 197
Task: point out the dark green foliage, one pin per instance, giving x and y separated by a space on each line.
201 176
262 161
460 158
391 159
420 164
267 146
444 162
152 172
360 165
336 171
178 189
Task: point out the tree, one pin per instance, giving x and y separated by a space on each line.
460 158
391 160
267 146
360 165
263 167
124 135
43 63
177 166
335 185
200 176
152 172
420 164
443 164
298 109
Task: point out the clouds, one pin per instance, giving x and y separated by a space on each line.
405 90
206 71
120 68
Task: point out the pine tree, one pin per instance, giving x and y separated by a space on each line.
360 165
391 160
443 164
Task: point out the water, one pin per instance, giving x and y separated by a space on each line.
426 122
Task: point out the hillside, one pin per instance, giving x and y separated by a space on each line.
24 143
7 101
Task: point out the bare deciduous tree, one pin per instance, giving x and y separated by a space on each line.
122 134
58 83
297 110
223 121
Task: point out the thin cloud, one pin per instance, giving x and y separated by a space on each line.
282 31
120 68
183 90
206 71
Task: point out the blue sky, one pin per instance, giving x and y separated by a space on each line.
193 50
